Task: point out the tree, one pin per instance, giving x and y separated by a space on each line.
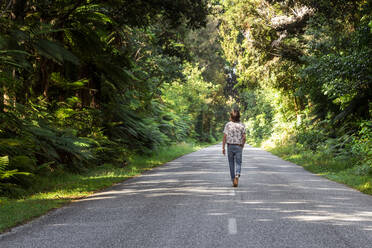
81 80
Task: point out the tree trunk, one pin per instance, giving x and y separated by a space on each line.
5 100
44 77
2 99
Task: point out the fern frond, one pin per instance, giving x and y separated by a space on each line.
53 50
4 174
4 161
12 173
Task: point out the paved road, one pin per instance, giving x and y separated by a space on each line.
189 202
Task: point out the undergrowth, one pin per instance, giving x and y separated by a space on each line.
341 169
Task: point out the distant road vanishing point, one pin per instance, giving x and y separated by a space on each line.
190 202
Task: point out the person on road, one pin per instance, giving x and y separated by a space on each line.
234 136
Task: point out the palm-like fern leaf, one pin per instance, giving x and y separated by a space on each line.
55 51
4 174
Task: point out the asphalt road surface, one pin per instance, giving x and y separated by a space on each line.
190 202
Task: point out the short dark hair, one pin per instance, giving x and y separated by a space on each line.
235 115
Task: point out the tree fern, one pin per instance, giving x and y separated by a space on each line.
4 173
80 79
4 161
9 57
55 51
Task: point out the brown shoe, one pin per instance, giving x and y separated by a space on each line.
235 183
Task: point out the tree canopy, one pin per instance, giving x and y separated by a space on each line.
303 71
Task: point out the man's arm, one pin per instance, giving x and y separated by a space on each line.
223 144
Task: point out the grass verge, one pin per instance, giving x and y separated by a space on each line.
339 169
62 189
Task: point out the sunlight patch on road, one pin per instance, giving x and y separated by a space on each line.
94 198
337 217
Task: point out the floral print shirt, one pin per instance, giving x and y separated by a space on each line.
234 132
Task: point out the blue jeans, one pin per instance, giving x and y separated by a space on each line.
234 155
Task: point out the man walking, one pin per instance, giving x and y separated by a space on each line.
234 136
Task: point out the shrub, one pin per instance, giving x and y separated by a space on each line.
361 148
7 186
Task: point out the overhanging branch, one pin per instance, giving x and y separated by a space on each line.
294 22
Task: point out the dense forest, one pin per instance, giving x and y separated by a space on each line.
302 74
89 82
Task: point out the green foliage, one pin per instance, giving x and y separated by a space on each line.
361 148
7 176
196 101
258 112
338 72
301 70
82 83
4 161
310 136
325 164
23 163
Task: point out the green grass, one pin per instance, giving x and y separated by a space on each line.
341 170
59 190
